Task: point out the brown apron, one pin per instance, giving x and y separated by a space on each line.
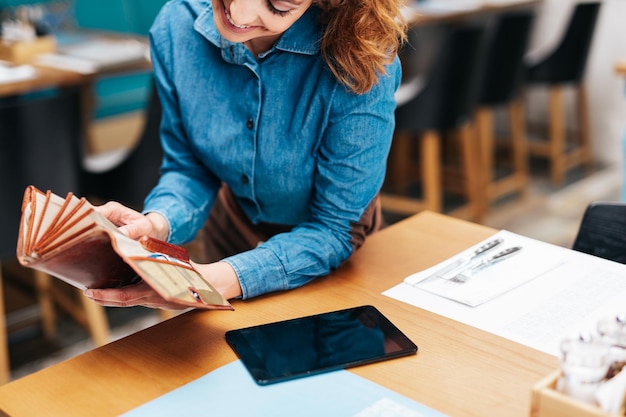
228 230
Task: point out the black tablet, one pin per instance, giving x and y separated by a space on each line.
324 342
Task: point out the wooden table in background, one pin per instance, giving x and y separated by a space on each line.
458 370
51 78
620 67
47 77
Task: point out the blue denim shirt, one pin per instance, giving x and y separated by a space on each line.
294 145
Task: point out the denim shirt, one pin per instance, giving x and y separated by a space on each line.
293 144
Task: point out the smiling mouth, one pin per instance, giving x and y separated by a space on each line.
230 20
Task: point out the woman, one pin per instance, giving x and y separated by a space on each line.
277 121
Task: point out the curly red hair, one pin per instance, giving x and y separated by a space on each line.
361 37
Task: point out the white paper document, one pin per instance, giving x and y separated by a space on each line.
91 55
10 73
535 298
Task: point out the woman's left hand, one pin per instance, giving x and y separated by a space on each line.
220 274
140 294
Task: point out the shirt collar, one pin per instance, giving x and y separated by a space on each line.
302 37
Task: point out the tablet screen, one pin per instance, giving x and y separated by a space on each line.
310 345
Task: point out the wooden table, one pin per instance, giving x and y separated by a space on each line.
620 67
459 370
47 77
423 13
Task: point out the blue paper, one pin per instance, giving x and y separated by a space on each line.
231 391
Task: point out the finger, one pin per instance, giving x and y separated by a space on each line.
125 230
113 211
136 229
156 303
130 295
139 294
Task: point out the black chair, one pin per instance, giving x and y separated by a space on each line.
38 137
131 179
38 145
565 66
444 104
501 88
602 231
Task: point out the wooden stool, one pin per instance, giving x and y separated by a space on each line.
517 180
501 86
565 67
5 368
563 154
431 173
84 311
443 106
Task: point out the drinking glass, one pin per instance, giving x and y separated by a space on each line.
584 365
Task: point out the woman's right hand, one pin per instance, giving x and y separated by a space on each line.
134 224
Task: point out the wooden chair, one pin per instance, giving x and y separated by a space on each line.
38 145
562 68
602 231
501 84
443 103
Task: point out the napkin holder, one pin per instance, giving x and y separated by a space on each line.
546 401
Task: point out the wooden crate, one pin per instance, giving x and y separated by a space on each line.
23 52
546 401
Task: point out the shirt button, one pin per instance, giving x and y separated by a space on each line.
245 179
250 123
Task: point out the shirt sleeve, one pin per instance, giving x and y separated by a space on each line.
351 165
186 189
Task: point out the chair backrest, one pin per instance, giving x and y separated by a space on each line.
131 181
39 139
450 91
602 231
567 62
503 72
